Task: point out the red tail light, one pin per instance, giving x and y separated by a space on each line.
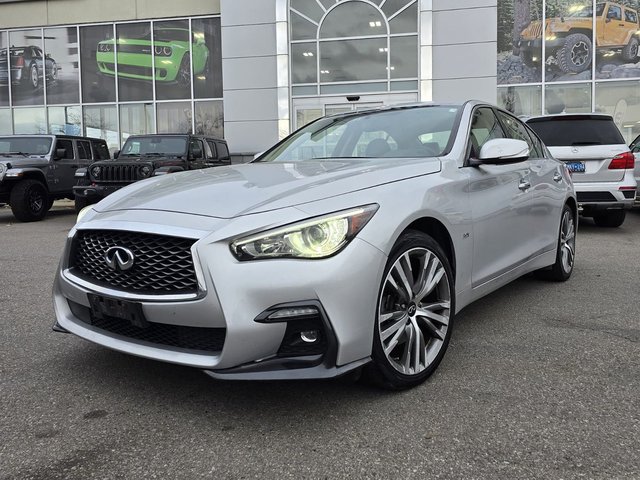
622 161
19 62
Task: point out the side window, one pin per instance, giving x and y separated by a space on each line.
630 16
515 129
223 151
84 149
67 145
196 150
212 146
538 148
484 127
100 151
614 13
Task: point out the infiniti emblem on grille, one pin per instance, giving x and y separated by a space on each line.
119 258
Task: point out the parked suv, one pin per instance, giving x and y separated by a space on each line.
144 156
570 38
600 161
35 170
635 149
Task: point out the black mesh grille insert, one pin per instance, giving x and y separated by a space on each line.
595 197
162 265
190 338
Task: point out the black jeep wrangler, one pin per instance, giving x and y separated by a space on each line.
144 156
35 170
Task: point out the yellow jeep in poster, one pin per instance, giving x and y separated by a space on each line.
570 38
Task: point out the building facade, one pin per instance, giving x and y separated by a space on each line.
254 70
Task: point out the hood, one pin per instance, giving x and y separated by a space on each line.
139 160
20 161
227 192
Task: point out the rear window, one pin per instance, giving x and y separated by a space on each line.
567 131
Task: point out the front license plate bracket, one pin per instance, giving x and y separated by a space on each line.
104 307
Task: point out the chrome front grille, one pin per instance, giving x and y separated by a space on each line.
119 173
163 265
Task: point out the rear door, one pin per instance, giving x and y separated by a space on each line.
586 143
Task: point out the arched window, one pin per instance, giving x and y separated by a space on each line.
353 46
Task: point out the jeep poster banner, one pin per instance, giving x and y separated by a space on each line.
519 41
617 31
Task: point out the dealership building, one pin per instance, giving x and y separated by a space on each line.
252 71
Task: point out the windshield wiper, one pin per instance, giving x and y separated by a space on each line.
8 154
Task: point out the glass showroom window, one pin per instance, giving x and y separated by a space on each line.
523 100
353 46
621 100
113 80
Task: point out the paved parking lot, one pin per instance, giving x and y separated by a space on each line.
541 380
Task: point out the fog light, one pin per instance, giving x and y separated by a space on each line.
309 336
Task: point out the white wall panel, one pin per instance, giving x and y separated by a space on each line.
244 105
462 4
247 12
249 41
248 73
465 89
461 61
250 137
471 26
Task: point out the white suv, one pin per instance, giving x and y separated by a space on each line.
635 149
598 158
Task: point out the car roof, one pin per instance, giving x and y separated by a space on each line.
54 135
177 135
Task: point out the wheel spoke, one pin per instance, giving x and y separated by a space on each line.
401 266
568 253
432 329
435 306
394 341
408 348
436 272
392 315
418 347
393 328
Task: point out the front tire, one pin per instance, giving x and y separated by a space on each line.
414 320
184 72
29 200
34 80
561 270
575 54
630 51
610 219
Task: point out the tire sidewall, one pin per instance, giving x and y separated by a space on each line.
566 274
20 200
394 379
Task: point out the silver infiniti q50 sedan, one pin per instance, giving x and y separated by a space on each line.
351 244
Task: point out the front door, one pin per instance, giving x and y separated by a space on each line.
306 110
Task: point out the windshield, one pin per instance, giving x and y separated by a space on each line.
586 12
400 133
25 145
156 145
171 35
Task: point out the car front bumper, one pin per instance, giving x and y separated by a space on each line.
233 294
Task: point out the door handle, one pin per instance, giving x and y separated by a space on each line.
524 185
557 177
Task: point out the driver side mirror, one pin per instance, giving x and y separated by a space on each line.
502 151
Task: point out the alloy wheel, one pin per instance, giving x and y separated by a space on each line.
36 201
567 241
579 54
414 311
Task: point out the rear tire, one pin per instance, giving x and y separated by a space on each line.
566 252
414 319
610 219
29 200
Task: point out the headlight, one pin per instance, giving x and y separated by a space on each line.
105 47
318 237
145 171
3 170
163 51
83 212
95 172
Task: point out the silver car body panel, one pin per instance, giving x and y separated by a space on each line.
494 242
